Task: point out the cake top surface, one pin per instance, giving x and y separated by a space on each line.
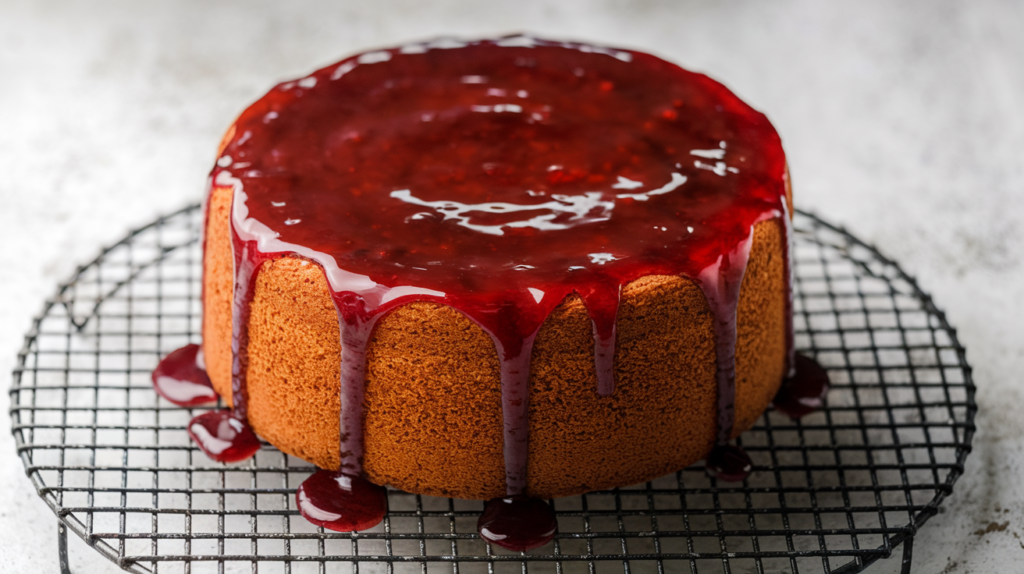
501 169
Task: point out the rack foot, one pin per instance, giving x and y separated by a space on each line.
908 555
62 547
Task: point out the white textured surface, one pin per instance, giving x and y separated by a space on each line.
904 122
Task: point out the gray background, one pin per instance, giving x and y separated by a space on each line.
902 121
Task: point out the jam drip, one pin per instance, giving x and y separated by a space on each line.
248 260
803 392
341 502
356 324
603 306
721 283
517 523
223 436
493 179
515 409
181 378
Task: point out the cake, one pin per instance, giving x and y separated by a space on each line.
497 269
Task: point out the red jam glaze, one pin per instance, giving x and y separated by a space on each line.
729 463
223 436
341 502
517 523
499 177
181 378
803 392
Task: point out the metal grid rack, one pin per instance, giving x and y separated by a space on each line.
833 492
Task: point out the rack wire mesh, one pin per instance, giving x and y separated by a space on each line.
833 492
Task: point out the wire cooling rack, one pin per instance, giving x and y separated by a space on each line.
833 492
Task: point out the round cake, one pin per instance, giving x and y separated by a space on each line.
499 267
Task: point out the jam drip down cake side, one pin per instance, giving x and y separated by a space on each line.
496 270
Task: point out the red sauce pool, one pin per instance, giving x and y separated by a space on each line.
181 378
341 502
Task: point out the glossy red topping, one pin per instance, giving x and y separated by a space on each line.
223 436
805 391
729 463
181 378
341 502
517 523
482 172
